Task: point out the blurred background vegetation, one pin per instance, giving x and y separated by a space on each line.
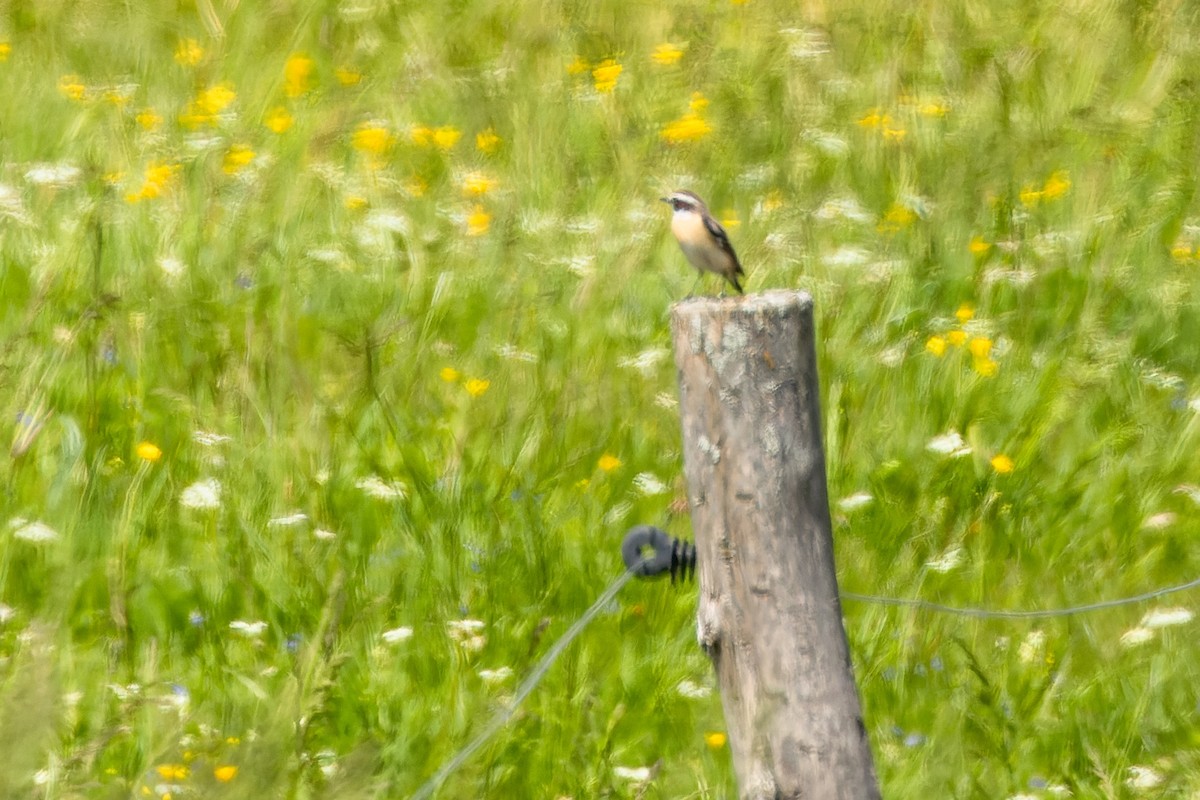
335 362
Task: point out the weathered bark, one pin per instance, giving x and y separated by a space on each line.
768 614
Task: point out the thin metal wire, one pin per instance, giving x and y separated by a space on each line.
505 714
1041 613
501 717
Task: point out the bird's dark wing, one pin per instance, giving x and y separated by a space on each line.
722 238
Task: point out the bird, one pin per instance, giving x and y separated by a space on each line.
702 238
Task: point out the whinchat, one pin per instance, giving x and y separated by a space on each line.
702 238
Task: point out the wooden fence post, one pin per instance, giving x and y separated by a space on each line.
769 614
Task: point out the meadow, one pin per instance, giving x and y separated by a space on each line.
335 363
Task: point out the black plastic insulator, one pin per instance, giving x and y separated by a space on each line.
650 553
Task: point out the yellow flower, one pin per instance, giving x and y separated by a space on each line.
487 141
297 75
216 99
278 119
156 181
980 346
690 127
5 49
449 374
478 221
897 218
354 202
936 108
578 66
985 366
416 186
729 218
372 139
347 76
72 87
1030 196
604 76
1056 185
446 137
1003 464
873 119
172 772
148 119
894 134
936 345
666 54
698 102
965 313
477 386
956 338
209 103
978 246
118 97
715 740
239 156
1181 252
421 135
608 463
477 184
188 52
148 451
225 773
773 201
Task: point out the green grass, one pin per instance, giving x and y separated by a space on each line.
307 305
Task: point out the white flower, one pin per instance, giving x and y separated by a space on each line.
513 354
125 692
396 635
692 690
1156 522
58 175
1136 636
617 513
377 487
41 777
843 208
1142 778
250 629
648 484
645 362
460 629
1032 646
1192 492
494 676
207 439
1166 617
856 501
665 400
171 266
389 221
847 257
949 444
35 531
204 494
6 613
324 535
289 520
634 774
946 561
474 644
